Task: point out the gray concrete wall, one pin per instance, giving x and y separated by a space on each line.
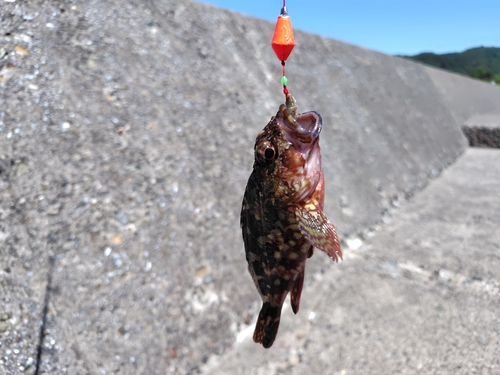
126 136
472 102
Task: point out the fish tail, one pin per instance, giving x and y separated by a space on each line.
267 325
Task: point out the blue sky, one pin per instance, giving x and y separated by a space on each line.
391 26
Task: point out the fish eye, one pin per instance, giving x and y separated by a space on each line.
266 152
269 153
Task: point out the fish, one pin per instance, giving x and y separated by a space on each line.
282 218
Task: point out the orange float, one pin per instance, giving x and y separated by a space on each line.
283 40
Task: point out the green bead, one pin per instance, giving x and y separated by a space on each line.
284 80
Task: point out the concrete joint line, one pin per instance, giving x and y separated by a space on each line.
43 324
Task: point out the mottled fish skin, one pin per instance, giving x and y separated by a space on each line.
282 217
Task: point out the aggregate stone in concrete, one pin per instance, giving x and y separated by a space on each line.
126 139
420 296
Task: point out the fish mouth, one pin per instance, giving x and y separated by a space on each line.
303 127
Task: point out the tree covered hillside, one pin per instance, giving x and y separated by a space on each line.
481 62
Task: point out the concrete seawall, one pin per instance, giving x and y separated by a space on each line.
472 103
126 138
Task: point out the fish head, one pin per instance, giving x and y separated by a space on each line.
287 154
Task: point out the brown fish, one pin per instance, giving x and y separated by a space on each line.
282 216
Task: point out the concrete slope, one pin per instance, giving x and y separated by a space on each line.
420 296
482 108
126 136
24 270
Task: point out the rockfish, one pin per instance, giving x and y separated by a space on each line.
282 217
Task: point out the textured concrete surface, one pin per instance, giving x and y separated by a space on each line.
126 136
420 296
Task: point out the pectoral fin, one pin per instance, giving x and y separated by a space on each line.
319 231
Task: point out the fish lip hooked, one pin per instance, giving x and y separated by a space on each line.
305 127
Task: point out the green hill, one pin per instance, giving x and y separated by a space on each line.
481 62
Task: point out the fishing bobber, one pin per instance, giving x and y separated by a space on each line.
283 40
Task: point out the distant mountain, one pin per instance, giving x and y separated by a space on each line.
481 62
